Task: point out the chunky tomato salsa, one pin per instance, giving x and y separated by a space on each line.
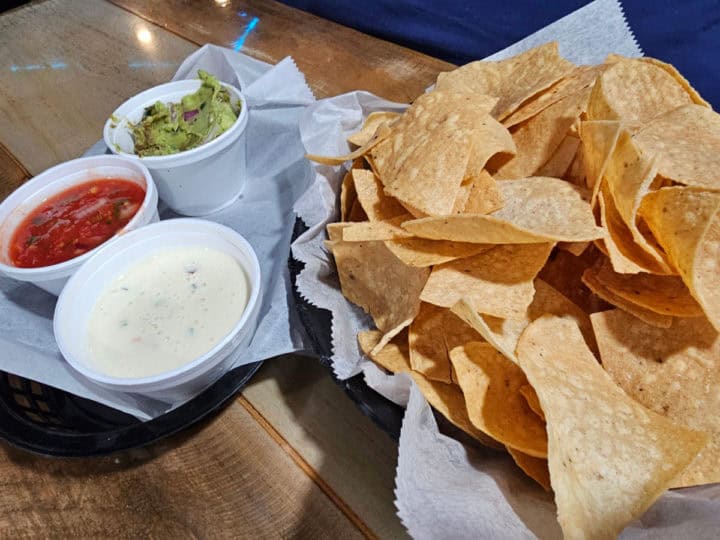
74 221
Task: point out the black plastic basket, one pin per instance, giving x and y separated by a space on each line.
48 421
317 322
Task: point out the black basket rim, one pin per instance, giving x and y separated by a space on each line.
37 439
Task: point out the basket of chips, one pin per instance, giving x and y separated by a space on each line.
537 245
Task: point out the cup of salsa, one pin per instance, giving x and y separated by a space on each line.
55 221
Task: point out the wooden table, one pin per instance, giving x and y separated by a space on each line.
292 456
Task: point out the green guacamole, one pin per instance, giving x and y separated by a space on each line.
175 127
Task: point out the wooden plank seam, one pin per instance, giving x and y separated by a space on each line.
307 468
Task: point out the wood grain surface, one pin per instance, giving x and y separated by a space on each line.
65 66
12 172
334 58
224 479
294 457
356 460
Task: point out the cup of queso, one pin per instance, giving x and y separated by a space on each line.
163 311
196 172
54 222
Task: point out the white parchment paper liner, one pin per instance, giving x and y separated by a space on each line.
444 488
277 175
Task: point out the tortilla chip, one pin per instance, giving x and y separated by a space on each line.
434 163
456 332
537 209
357 213
498 282
377 205
625 255
599 139
360 164
493 144
576 172
490 140
580 78
503 334
674 372
666 295
600 246
491 386
562 158
514 80
484 195
422 252
539 137
365 231
535 468
610 458
394 356
348 195
635 92
590 279
428 354
425 159
414 211
528 392
687 143
371 125
686 222
448 400
575 248
377 281
334 230
563 272
382 133
628 177
462 196
682 81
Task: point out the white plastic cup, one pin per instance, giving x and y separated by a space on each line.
73 309
24 200
195 182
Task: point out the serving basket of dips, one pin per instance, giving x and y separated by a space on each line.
161 311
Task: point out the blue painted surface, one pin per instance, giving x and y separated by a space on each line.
685 33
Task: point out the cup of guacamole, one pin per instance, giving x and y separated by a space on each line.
198 118
191 135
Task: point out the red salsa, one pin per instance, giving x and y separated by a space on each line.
75 221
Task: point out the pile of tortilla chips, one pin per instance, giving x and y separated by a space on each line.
538 244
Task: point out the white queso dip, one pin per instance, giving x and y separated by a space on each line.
165 311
